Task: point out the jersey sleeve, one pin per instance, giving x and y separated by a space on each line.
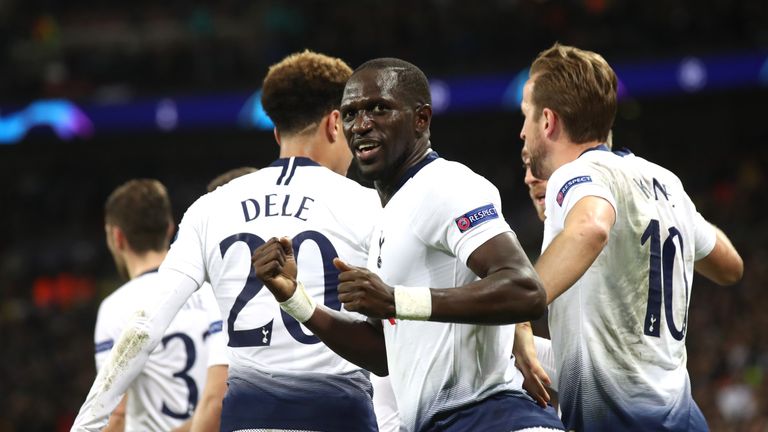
460 216
108 328
704 234
216 340
572 182
186 253
140 336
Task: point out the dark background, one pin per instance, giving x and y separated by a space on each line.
54 265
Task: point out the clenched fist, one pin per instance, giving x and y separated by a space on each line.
275 265
362 291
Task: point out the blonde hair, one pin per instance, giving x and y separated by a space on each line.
580 87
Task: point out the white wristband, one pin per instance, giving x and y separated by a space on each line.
300 306
413 303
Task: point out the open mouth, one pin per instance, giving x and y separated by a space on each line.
366 150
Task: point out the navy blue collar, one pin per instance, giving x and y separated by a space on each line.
428 159
297 160
286 162
154 270
601 147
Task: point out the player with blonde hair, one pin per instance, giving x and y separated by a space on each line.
621 242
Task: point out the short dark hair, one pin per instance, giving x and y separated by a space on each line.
580 87
142 210
410 78
228 176
302 88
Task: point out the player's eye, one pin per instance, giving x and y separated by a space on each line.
348 115
378 108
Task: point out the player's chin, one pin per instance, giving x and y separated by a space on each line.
370 171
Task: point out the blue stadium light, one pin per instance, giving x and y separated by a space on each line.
63 117
513 95
252 114
456 95
764 73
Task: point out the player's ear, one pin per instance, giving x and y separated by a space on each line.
118 238
277 135
423 118
332 126
550 122
108 235
170 231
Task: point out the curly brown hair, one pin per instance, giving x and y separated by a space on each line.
580 87
142 209
302 88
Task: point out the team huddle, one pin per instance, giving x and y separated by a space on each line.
317 304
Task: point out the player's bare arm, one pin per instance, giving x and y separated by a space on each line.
207 415
132 350
508 292
360 342
723 265
117 418
571 252
535 378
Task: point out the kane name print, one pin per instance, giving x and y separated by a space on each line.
475 217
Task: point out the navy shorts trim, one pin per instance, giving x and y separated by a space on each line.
332 403
501 412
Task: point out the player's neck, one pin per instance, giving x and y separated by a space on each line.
301 145
138 264
571 151
389 186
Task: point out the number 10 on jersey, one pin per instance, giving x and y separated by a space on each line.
660 280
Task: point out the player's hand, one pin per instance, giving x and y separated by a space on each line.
275 265
535 378
362 291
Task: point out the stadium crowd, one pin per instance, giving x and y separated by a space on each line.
113 50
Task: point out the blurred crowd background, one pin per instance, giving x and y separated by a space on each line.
55 267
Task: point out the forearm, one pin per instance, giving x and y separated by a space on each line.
125 363
359 342
117 419
566 260
546 358
207 417
208 412
523 346
585 233
184 427
503 297
130 353
722 265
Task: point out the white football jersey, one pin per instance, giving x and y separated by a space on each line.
428 230
168 388
326 215
618 334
